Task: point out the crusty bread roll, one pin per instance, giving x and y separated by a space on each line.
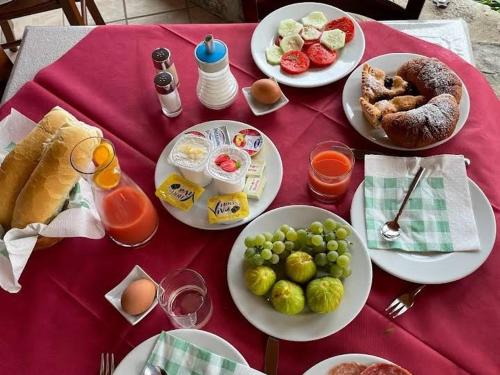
44 194
22 160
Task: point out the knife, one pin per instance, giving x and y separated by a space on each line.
272 355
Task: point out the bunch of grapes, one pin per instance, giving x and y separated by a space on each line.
326 242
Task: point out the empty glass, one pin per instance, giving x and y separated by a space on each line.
183 296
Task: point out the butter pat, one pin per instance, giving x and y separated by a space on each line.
227 208
256 168
254 187
179 192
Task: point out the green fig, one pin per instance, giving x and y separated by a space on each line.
300 267
259 280
324 295
287 297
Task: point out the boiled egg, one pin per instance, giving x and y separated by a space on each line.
265 91
138 296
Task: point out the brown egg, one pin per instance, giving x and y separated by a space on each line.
265 91
138 296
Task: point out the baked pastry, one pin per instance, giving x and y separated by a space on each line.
424 125
431 77
375 112
374 81
48 187
22 160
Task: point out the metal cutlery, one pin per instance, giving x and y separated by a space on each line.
107 364
154 370
272 355
359 154
402 303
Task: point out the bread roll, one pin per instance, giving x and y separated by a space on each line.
45 192
22 160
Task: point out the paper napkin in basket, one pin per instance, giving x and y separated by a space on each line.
438 216
179 357
78 219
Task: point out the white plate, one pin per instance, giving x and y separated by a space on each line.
363 359
259 109
352 91
267 30
432 268
304 326
197 217
133 363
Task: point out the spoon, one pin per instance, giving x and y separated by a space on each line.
390 230
154 370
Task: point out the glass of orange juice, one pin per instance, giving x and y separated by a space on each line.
126 212
330 167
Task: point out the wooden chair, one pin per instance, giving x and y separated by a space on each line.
21 8
5 70
256 10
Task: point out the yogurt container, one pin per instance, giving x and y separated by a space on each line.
228 166
190 155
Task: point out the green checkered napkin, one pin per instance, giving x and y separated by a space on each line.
179 357
438 216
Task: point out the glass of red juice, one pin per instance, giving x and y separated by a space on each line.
183 295
330 167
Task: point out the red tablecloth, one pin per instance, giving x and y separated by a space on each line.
60 322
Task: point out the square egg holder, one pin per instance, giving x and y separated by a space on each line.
114 295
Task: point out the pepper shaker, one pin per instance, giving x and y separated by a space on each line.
162 61
167 94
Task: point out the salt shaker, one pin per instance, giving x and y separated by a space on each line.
162 61
167 94
217 88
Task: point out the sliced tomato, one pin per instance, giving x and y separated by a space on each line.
345 24
321 56
308 43
294 62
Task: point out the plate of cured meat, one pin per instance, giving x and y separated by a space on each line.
356 364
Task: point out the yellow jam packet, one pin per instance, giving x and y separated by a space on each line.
179 192
227 208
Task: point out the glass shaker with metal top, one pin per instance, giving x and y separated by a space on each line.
167 94
162 61
217 88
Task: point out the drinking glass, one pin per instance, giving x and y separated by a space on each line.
184 297
330 167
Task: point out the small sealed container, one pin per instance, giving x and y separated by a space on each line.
228 166
190 155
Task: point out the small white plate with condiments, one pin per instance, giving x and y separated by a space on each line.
197 216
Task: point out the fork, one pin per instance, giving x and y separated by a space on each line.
402 303
107 364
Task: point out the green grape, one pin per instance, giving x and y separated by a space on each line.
257 260
268 236
316 240
316 227
291 235
302 234
348 254
278 247
307 249
275 259
320 259
285 254
278 236
289 245
332 256
329 224
249 252
309 239
330 236
347 229
342 246
335 271
332 245
250 241
343 261
320 248
267 245
285 228
346 272
259 240
266 254
341 233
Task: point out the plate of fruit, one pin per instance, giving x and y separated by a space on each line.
299 273
307 44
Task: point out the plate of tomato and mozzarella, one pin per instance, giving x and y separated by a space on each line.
314 64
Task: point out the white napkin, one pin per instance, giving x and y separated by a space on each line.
445 180
79 219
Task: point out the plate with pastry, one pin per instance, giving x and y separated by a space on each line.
406 101
218 175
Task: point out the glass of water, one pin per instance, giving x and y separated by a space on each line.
184 297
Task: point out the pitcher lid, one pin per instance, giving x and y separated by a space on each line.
210 50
